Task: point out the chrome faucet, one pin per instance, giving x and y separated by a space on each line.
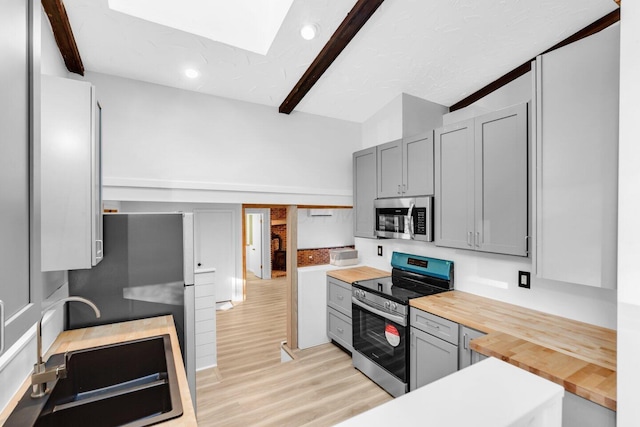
41 375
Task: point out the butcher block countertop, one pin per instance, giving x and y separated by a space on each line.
354 274
115 333
579 356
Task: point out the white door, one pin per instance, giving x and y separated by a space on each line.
214 247
254 244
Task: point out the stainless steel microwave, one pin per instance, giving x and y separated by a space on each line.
408 218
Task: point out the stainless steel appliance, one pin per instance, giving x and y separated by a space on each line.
408 218
380 310
147 271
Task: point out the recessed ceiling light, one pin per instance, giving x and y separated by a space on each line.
191 73
309 31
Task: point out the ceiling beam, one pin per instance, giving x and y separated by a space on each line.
64 35
352 23
593 28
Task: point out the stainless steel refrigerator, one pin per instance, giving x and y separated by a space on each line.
147 271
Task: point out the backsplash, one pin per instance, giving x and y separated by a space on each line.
308 257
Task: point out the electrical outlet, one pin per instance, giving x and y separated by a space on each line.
524 279
379 250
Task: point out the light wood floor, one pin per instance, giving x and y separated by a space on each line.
251 387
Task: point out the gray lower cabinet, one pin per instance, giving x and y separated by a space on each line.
466 356
339 326
364 191
431 357
481 176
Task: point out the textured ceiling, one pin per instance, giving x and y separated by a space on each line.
438 50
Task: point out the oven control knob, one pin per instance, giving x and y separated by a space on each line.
387 305
394 306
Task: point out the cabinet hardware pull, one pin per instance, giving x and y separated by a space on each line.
1 327
399 191
340 330
466 341
526 244
340 297
477 239
469 238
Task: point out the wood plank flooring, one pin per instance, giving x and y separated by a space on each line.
251 387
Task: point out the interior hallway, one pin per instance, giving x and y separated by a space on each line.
251 387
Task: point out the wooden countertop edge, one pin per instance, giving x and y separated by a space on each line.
589 393
582 389
350 275
119 332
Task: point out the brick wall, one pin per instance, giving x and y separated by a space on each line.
280 231
308 257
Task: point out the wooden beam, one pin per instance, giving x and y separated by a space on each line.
352 23
593 28
64 35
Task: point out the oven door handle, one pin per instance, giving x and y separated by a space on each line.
401 320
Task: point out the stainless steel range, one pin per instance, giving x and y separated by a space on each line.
380 309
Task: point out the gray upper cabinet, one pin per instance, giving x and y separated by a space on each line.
417 165
481 183
390 169
576 161
71 201
501 174
454 195
405 167
364 191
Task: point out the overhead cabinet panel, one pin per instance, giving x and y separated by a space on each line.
417 165
501 181
454 201
577 96
481 183
364 191
390 169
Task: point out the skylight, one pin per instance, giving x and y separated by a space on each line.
247 24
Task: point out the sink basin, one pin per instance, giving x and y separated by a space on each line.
132 383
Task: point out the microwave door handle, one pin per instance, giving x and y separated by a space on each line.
410 217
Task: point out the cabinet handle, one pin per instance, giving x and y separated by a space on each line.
399 190
526 244
1 327
404 188
466 341
340 297
477 239
340 330
99 248
469 234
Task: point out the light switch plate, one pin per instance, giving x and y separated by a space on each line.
524 279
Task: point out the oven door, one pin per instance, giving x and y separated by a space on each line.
381 337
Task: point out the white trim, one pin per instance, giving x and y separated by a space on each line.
220 186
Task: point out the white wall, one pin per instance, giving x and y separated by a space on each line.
166 144
628 224
495 276
325 231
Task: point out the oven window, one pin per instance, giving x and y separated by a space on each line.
380 340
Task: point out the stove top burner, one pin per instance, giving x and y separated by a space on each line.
399 292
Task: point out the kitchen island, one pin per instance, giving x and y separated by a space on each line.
78 339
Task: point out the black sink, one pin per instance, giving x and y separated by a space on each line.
132 383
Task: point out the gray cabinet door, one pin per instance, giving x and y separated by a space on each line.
454 196
417 165
576 161
501 181
390 169
465 353
430 359
364 191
